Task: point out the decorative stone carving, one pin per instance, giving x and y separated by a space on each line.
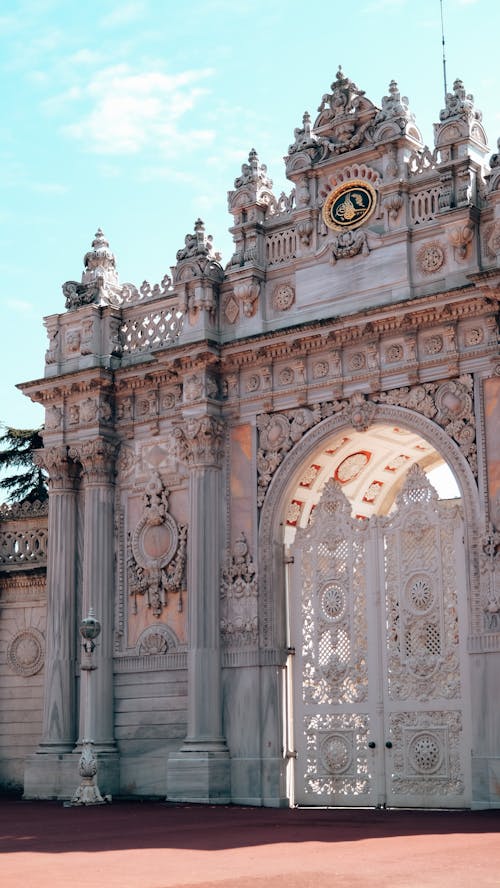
489 560
459 103
430 258
491 242
238 616
100 282
395 109
248 294
200 441
304 136
283 296
345 117
253 186
231 309
157 639
347 244
97 458
26 651
450 404
156 551
460 238
277 434
305 229
53 418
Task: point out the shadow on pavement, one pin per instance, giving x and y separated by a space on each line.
49 827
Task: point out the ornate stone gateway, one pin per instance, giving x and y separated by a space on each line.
376 619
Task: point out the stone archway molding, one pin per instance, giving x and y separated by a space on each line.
272 605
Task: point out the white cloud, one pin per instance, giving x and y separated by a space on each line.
21 306
49 188
132 110
123 14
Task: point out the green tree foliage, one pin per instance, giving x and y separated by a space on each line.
16 453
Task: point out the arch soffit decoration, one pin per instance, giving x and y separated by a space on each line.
286 478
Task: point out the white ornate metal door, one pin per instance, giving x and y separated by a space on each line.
377 673
423 664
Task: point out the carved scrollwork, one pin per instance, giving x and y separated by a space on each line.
156 555
200 441
347 244
238 619
97 458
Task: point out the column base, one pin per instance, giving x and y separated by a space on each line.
51 775
200 773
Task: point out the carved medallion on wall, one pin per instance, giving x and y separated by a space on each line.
430 258
156 551
283 297
25 652
349 205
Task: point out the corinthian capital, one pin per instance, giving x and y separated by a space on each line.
97 459
201 441
55 462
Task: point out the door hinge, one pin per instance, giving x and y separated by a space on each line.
288 559
291 754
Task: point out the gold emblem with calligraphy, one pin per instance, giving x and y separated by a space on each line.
349 205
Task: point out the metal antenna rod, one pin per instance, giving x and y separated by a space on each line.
444 57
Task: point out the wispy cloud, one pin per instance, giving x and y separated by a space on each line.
123 14
128 110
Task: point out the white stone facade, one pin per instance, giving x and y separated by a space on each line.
191 429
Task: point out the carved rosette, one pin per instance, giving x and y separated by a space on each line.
26 651
238 615
200 441
97 459
156 556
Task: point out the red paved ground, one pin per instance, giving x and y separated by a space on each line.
154 845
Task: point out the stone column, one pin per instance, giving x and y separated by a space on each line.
97 712
199 772
97 460
46 771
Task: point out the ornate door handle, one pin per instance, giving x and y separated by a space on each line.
372 744
388 744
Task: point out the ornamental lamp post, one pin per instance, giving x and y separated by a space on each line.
88 792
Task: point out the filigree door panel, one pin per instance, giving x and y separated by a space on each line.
378 671
422 665
329 620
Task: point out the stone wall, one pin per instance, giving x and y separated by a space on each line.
23 552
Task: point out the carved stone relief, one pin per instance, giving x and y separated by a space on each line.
238 616
430 258
283 297
26 651
156 552
449 404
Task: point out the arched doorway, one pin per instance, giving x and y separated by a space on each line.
377 591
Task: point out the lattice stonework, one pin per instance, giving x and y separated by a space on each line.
336 756
421 595
427 754
333 604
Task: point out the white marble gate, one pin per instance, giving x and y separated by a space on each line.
379 702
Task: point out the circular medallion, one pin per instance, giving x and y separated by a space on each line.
425 753
349 205
351 466
336 753
333 601
25 652
420 594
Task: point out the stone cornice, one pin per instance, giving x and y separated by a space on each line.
42 391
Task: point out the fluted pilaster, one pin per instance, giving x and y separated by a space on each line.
97 460
59 728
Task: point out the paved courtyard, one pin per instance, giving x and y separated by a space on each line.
156 845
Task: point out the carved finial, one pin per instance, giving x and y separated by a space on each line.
253 173
459 103
100 262
198 244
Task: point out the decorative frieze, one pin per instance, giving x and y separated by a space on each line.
97 458
489 561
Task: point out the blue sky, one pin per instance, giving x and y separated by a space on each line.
136 117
